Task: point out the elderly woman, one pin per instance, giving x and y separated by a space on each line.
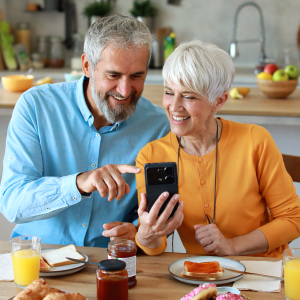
236 197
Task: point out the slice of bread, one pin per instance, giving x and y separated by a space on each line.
206 270
44 266
56 258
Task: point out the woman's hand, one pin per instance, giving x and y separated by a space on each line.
211 239
153 227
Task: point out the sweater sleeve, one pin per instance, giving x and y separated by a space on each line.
144 158
276 187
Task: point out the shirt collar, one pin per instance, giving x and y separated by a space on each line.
87 115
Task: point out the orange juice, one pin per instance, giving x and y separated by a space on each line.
26 265
292 279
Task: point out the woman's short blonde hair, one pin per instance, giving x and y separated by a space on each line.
202 68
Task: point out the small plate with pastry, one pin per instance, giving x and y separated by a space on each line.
201 269
209 291
53 262
39 289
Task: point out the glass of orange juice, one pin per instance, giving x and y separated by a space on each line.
291 264
25 252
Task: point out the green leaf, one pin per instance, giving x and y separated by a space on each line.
97 8
143 8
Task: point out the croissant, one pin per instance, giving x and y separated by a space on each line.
37 290
64 296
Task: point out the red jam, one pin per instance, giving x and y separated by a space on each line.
112 285
125 250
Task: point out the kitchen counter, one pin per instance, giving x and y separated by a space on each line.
243 76
255 102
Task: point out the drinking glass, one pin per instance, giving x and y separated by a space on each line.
291 263
25 252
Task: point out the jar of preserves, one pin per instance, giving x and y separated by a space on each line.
43 48
112 280
125 250
56 53
23 35
76 63
37 61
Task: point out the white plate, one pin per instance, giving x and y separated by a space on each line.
227 289
63 270
176 267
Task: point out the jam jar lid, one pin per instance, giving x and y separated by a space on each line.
111 265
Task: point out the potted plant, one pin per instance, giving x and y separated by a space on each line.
144 11
96 10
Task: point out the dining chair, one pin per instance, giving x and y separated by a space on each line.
292 165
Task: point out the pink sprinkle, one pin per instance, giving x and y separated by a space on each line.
197 290
229 296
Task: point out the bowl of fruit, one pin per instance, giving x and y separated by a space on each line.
277 83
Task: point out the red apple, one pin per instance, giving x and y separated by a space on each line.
270 68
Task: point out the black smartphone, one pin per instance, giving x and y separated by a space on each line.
159 178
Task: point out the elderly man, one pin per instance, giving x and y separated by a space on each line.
68 144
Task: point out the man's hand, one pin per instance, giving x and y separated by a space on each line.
211 239
153 227
119 230
107 179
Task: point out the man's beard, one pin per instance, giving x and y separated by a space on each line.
120 112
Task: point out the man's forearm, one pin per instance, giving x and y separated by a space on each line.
251 243
39 199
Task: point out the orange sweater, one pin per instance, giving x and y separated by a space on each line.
254 189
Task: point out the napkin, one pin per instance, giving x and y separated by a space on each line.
6 268
258 283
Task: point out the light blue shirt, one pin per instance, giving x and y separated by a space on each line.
51 138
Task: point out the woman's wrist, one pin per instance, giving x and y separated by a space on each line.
148 242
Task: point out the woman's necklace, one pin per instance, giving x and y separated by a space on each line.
216 162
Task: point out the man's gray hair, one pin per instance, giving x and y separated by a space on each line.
202 68
120 31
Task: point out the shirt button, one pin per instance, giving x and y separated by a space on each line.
203 182
47 208
74 198
93 165
201 159
206 205
83 225
97 134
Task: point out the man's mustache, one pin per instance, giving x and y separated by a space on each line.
119 95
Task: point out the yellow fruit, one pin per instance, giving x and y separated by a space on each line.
43 81
234 93
243 90
265 76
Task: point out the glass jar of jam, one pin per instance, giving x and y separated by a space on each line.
125 250
112 280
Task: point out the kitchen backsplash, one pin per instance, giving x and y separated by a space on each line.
209 21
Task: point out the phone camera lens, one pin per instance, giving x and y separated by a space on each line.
169 179
169 170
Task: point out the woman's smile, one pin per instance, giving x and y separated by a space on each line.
178 120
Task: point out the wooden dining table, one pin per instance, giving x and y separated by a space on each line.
154 282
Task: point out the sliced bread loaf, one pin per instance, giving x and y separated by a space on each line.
56 258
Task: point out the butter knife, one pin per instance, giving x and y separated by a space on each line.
248 273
